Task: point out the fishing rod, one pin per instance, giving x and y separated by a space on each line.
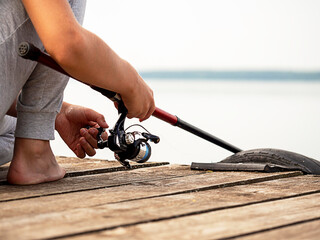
132 146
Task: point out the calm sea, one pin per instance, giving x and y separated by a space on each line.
246 113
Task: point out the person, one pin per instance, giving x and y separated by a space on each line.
55 26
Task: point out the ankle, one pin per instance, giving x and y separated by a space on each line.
33 162
33 147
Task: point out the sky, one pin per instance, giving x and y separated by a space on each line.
210 34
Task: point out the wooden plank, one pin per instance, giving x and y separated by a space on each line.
305 230
224 224
77 167
103 215
136 191
90 182
82 183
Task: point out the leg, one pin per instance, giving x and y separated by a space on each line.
7 128
40 100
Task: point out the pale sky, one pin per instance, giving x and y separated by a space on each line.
210 34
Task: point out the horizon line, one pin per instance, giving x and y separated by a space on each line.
232 74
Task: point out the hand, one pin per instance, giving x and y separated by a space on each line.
71 123
137 96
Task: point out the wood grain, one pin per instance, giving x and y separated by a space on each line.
91 182
100 215
300 230
100 200
228 223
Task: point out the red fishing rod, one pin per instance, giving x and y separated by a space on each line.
29 51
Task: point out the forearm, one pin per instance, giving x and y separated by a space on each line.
106 69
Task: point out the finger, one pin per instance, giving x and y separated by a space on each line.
130 115
96 117
93 124
90 135
83 131
104 135
87 147
93 132
137 114
79 151
149 113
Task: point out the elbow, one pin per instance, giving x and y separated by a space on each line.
67 50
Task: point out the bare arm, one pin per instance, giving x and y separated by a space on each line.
86 57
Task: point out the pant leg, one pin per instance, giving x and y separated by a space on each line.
16 27
42 95
42 88
39 102
7 128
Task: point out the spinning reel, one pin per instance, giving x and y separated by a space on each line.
126 146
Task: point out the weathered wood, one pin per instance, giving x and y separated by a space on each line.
70 164
306 230
78 167
101 216
88 166
90 182
139 190
160 202
227 223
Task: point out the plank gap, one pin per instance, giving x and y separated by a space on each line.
113 169
105 170
224 185
197 213
96 188
270 229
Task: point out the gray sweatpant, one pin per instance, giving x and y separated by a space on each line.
41 88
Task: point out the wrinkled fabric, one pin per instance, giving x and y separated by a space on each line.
40 89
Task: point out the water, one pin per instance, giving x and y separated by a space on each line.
247 114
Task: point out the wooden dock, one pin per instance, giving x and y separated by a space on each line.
101 200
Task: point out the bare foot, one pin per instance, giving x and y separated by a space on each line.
33 162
